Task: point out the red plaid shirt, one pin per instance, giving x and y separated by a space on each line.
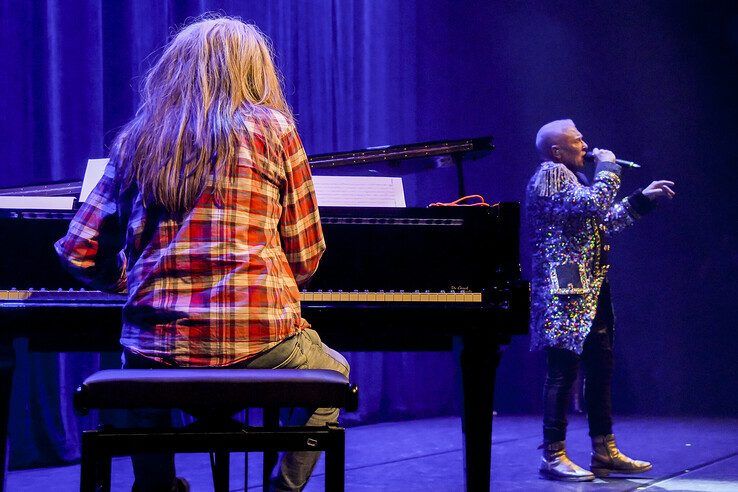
219 285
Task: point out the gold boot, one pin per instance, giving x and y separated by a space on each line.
556 465
607 458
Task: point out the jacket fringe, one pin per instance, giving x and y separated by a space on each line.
552 179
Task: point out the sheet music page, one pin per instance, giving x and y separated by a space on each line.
93 173
332 191
359 191
37 202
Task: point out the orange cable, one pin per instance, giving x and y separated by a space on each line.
458 202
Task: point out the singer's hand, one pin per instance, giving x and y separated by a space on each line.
602 155
658 189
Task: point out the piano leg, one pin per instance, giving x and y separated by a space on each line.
7 365
479 357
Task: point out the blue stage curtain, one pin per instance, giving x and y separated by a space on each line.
655 81
70 73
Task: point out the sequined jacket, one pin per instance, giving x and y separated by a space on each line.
570 224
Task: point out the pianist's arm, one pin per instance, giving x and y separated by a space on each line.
92 248
299 225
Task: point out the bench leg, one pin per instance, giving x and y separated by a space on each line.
221 470
335 461
104 470
271 421
246 455
96 464
88 467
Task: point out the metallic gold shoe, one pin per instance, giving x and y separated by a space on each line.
607 458
556 465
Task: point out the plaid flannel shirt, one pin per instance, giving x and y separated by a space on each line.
219 285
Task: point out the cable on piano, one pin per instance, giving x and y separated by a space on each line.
460 202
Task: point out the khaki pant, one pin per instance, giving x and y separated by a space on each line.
305 350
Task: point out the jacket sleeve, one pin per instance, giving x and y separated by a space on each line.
625 212
570 197
92 249
299 225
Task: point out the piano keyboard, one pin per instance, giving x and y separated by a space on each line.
60 296
76 295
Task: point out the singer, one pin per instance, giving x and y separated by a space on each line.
571 312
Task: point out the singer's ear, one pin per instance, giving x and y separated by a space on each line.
556 151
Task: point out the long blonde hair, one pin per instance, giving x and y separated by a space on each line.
195 100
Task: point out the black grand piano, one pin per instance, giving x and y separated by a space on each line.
454 271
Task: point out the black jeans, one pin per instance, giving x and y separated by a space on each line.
563 366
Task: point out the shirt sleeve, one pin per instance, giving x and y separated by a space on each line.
92 249
299 226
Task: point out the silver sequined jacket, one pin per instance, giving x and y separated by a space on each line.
570 224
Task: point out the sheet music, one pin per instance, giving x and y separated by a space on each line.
37 202
359 191
332 191
93 173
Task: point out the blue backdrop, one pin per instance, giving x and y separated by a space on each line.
654 81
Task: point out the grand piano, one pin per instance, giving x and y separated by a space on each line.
387 273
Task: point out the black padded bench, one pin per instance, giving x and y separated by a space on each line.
213 396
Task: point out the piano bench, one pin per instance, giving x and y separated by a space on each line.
213 396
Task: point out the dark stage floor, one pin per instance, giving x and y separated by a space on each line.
425 455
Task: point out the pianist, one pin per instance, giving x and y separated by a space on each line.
206 215
571 313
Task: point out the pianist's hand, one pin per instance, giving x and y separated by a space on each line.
659 189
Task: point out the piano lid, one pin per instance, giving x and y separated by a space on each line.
476 146
59 196
59 188
470 147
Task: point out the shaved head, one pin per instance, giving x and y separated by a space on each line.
551 134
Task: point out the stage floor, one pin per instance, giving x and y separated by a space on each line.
689 454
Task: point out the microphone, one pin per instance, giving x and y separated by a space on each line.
590 157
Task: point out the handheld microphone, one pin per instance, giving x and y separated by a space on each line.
589 156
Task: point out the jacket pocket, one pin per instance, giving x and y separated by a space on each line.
569 278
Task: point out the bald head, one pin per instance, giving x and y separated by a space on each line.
560 141
551 134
